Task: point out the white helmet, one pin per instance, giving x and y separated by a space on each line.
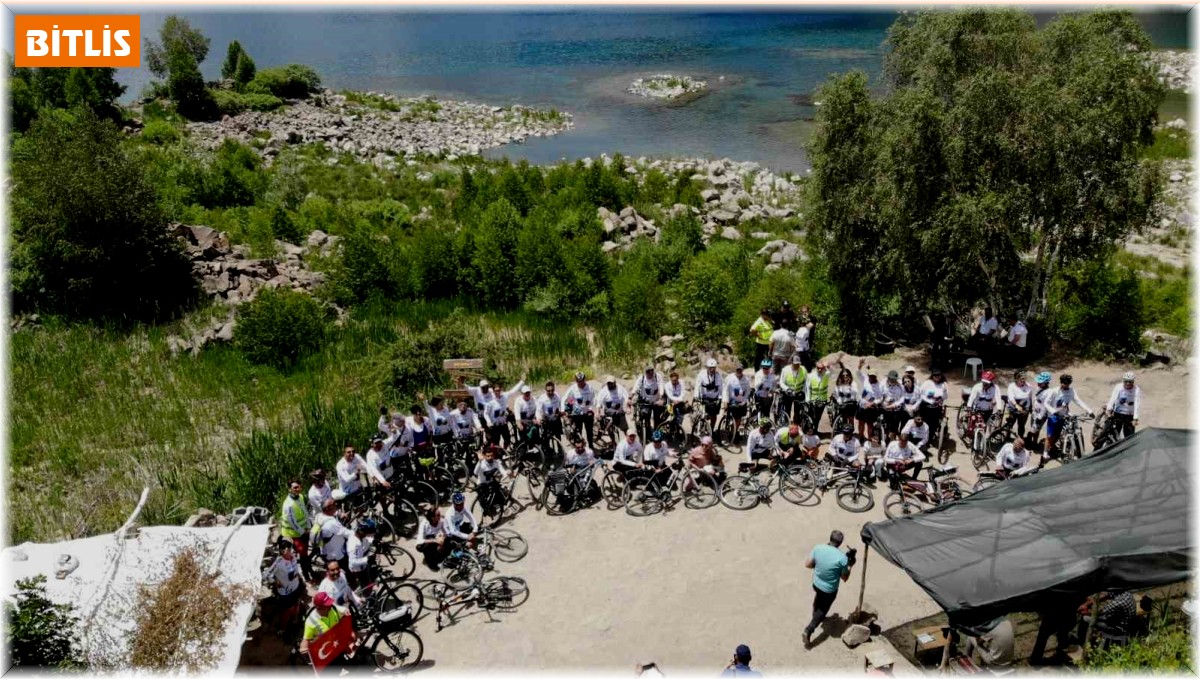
712 363
1128 377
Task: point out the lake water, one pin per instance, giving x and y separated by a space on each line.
756 63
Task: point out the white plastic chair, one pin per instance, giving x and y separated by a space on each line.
974 364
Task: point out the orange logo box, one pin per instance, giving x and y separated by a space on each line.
113 40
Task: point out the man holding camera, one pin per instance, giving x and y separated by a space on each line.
830 567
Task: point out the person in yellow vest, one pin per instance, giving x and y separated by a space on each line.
294 526
788 445
321 619
816 395
761 331
791 389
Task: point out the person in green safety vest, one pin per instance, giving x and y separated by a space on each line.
294 525
321 619
816 394
791 389
761 331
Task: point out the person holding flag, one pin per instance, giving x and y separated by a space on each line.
328 633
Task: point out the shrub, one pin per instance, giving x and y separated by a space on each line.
160 132
39 633
100 249
232 54
369 267
293 81
417 359
637 299
705 294
245 71
283 227
232 103
279 327
1098 307
233 178
768 291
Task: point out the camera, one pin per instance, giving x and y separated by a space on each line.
851 556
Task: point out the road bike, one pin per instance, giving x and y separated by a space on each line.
502 593
649 493
567 490
794 482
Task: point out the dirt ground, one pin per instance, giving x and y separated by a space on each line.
684 588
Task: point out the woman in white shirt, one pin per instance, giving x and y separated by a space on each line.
1020 402
431 538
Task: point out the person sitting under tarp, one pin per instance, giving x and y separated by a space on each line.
1122 616
994 647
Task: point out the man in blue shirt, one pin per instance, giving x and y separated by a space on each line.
830 566
740 665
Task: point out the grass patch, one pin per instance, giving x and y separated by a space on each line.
1169 144
1166 295
372 101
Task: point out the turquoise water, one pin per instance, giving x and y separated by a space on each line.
581 61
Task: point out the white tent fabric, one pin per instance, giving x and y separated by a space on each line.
104 588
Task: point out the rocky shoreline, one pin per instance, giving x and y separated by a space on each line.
1175 68
379 127
666 86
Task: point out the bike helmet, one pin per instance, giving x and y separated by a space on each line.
712 363
1066 378
580 377
1044 378
766 363
764 422
457 498
847 428
650 368
988 376
1128 377
656 436
367 525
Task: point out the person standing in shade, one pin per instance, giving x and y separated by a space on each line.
740 665
830 567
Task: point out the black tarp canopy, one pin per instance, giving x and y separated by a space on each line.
1117 520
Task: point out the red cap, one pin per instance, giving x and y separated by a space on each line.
322 599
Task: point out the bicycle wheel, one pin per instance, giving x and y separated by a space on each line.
1079 449
641 498
506 509
854 497
612 488
464 572
960 424
943 442
385 530
985 481
900 503
797 484
699 489
405 519
558 504
723 435
979 453
506 592
443 482
701 427
397 650
419 492
392 594
1101 436
463 478
398 561
508 545
739 492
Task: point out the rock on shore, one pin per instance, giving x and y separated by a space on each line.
666 86
420 126
1175 68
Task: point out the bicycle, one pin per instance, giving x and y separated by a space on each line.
649 494
945 443
1109 429
388 611
726 435
701 426
841 414
974 433
1069 445
989 479
849 483
498 509
502 544
504 593
565 491
672 424
911 496
607 436
1003 432
794 482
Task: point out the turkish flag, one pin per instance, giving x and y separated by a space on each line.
334 642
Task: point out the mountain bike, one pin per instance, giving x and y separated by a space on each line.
503 593
849 483
794 482
672 424
384 622
701 427
910 496
1069 445
1109 429
567 490
841 413
495 503
651 493
975 430
726 434
942 438
1004 429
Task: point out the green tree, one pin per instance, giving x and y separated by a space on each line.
31 89
1000 153
185 85
90 239
232 55
176 33
705 295
280 327
494 257
40 633
245 70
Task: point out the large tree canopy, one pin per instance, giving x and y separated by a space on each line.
999 152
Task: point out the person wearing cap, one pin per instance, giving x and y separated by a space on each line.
893 403
783 346
614 403
791 389
525 411
984 395
709 383
338 587
324 616
318 492
1124 403
461 525
581 405
487 392
294 525
705 457
549 412
816 393
329 535
740 665
760 442
870 398
286 583
737 397
649 391
488 472
1058 407
761 330
627 456
764 383
358 552
934 394
656 458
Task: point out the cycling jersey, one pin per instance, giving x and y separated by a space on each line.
656 453
911 400
784 440
358 549
584 397
1019 395
549 407
649 389
872 392
675 392
845 448
1058 402
440 418
488 470
1011 460
737 390
801 339
708 385
613 400
759 444
317 497
381 461
983 397
286 575
339 590
764 383
330 535
495 412
348 473
461 524
912 431
902 453
1125 401
576 459
934 394
526 408
482 398
1039 403
628 453
845 393
464 424
893 394
428 532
